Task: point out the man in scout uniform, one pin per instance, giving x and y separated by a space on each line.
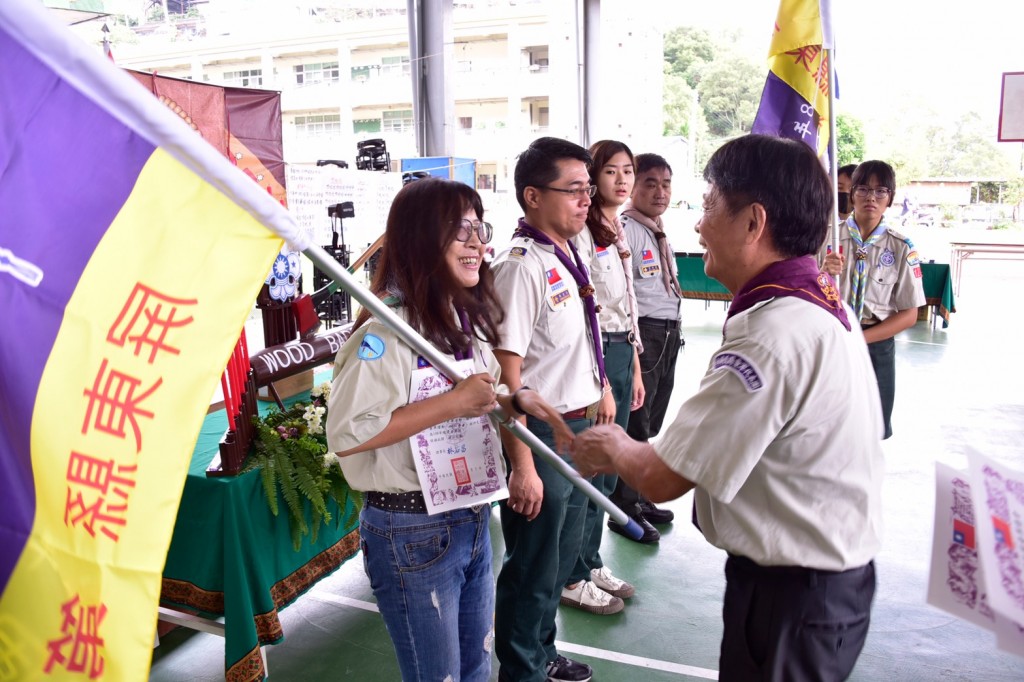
658 298
781 440
549 341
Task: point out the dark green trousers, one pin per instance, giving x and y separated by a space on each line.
618 365
539 555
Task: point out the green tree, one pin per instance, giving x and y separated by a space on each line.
971 152
730 90
678 105
687 51
849 139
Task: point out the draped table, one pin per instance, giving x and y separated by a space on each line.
231 557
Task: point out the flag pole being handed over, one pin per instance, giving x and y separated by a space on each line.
346 281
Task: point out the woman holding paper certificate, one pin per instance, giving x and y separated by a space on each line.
426 455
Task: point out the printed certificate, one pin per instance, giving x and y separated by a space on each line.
457 461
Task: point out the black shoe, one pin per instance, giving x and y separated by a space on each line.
566 669
651 534
654 514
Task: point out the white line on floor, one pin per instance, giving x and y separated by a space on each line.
603 654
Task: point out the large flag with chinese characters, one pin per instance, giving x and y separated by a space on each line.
795 101
130 255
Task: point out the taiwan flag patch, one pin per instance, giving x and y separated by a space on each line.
553 276
963 533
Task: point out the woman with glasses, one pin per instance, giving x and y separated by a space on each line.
431 573
602 245
881 274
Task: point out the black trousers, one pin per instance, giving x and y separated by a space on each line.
883 359
792 623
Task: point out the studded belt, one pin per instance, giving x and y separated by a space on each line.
411 502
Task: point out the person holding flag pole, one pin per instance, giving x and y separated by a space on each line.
82 255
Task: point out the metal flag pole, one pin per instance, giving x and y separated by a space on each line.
833 162
345 280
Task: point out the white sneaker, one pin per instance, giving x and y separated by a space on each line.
604 579
589 597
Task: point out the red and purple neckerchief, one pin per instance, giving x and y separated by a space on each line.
798 277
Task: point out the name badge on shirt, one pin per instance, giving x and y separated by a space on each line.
457 460
649 265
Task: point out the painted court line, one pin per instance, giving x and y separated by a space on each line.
603 654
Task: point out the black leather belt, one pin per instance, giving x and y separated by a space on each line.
411 502
617 337
655 322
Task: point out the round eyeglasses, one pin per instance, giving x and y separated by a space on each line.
467 227
862 191
576 193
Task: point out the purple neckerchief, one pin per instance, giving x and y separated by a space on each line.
798 277
468 353
579 273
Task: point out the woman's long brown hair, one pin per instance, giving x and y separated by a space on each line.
602 151
424 219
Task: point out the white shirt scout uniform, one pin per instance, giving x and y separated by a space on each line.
609 283
893 274
783 440
372 375
653 299
546 325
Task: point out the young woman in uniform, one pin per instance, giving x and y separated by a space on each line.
592 586
431 574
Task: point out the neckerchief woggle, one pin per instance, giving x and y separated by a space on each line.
797 277
859 276
579 273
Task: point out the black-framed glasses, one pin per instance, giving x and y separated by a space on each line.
483 230
863 191
576 194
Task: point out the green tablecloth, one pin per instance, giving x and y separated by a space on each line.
938 289
694 283
231 557
936 278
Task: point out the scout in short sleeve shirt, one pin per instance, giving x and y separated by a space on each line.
893 275
372 375
545 324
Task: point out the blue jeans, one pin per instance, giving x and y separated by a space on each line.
434 586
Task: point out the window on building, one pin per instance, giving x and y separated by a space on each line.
396 121
360 73
247 78
366 125
542 117
323 72
394 66
465 122
317 125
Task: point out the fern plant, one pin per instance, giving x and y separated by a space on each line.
290 450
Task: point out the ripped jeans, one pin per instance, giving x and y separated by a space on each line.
434 585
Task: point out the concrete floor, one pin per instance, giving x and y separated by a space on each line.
955 387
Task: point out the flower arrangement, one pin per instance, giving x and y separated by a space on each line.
290 450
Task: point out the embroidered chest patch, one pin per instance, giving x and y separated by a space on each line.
888 258
649 265
741 367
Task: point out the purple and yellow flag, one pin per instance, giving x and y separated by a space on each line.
795 101
130 255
